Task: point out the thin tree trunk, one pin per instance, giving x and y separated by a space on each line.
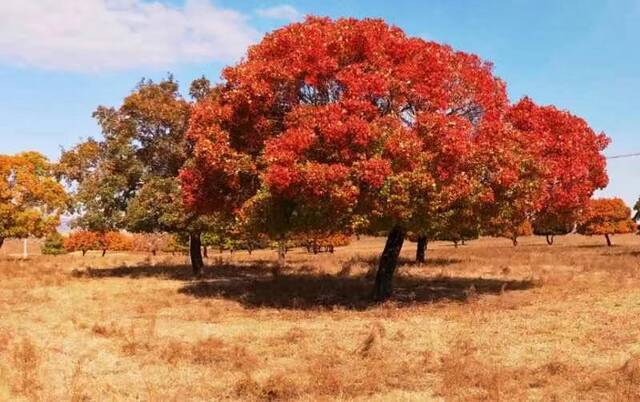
104 251
205 251
282 253
1 241
84 252
462 241
455 243
388 263
195 253
421 250
606 236
514 239
550 240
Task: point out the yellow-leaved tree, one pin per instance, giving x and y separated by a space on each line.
31 199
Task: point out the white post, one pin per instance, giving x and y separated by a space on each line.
25 252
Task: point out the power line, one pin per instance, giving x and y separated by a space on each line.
623 156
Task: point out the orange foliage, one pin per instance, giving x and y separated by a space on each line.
150 242
317 242
606 216
84 240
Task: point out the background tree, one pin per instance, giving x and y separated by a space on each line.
459 224
150 242
512 232
552 224
129 179
82 240
53 244
606 216
636 217
572 166
114 241
31 199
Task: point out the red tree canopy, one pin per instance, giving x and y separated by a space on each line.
569 153
348 119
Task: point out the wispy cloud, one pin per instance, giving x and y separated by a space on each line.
281 12
106 35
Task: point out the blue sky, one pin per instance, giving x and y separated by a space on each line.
59 60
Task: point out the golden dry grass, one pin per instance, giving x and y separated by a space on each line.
486 321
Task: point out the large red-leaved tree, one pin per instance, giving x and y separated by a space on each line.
350 125
347 119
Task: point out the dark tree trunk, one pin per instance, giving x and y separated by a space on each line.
455 243
205 252
387 266
1 241
195 252
282 253
421 250
462 241
84 252
550 240
514 239
606 236
104 251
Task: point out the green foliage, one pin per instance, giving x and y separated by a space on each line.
129 179
53 244
548 224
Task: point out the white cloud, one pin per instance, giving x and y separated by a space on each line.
105 35
281 12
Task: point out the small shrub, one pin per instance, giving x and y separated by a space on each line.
53 245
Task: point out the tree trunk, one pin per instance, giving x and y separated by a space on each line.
154 252
421 250
84 252
514 239
282 252
104 251
550 240
195 253
1 241
205 252
462 241
387 266
455 243
606 236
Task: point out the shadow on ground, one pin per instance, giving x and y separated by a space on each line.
254 285
307 292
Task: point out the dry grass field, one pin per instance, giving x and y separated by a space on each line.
487 321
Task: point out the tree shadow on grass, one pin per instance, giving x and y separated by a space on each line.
430 262
302 291
175 272
256 285
622 254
